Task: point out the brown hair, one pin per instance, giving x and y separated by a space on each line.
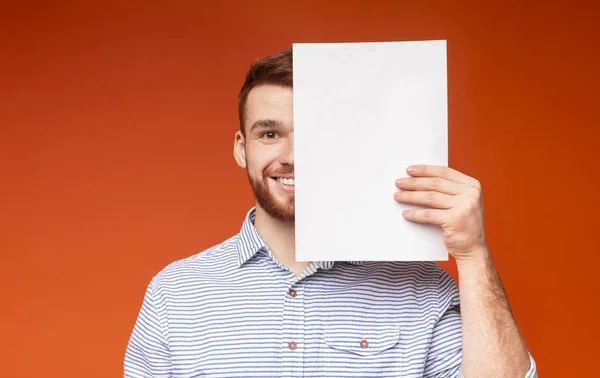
275 69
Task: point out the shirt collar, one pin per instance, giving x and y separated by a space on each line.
250 243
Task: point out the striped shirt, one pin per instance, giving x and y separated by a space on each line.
235 311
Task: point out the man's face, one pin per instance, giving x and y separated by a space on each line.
267 149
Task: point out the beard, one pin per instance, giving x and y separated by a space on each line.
280 209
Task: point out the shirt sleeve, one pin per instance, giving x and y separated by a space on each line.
531 373
445 351
147 354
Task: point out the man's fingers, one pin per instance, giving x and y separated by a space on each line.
436 184
429 198
443 172
431 216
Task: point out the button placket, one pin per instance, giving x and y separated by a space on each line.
293 331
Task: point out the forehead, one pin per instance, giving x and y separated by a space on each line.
269 101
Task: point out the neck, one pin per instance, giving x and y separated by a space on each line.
281 239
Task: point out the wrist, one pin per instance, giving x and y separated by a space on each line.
478 278
478 264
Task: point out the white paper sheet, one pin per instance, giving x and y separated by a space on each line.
364 112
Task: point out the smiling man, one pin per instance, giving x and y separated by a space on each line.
246 308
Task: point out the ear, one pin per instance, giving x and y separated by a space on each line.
239 149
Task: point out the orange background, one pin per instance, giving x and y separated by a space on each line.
117 125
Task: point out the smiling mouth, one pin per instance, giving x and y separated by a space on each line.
284 181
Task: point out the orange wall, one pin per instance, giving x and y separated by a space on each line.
116 134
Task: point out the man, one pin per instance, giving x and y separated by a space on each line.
246 308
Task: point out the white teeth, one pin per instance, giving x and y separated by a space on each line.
286 181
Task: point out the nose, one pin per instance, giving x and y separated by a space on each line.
287 154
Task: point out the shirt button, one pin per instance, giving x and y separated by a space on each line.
293 293
292 345
364 344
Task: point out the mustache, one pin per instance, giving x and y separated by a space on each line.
284 170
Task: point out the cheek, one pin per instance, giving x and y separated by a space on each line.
256 168
259 159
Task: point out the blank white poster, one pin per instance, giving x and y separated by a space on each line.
364 112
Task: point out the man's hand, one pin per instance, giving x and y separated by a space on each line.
453 200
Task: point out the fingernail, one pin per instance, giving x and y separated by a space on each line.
400 181
410 168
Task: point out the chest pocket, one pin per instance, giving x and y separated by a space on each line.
362 339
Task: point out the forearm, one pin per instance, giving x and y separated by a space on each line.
492 343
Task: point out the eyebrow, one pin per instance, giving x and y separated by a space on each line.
265 123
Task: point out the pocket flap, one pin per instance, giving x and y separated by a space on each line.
362 339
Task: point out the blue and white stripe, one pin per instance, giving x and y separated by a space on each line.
228 312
